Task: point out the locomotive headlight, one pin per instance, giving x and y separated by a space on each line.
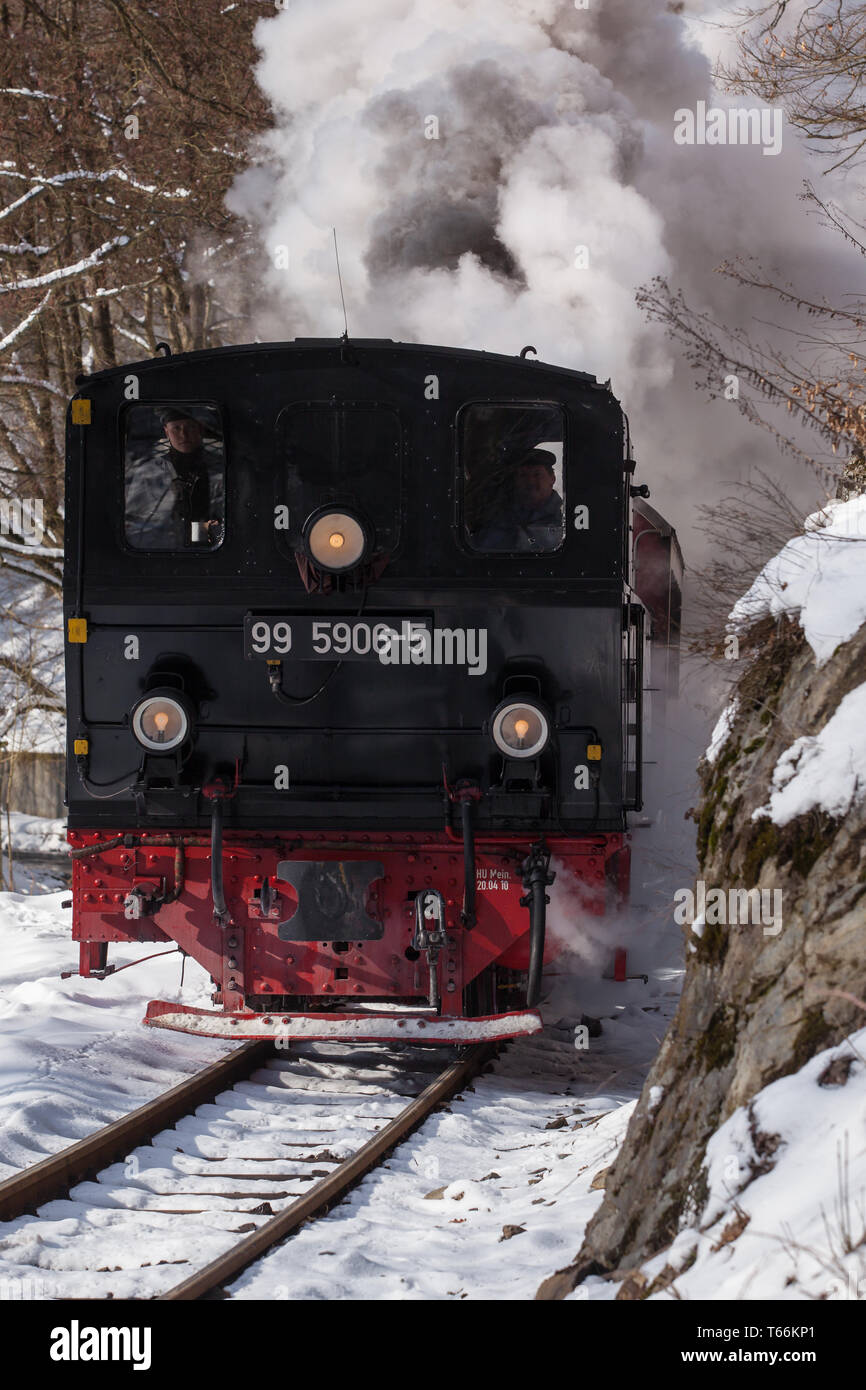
160 722
336 541
520 728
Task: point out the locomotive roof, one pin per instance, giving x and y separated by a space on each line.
301 345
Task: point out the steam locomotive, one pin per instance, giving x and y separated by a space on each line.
357 638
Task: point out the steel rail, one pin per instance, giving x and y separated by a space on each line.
53 1177
212 1276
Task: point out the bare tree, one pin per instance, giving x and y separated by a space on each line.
811 58
812 400
120 131
747 526
812 396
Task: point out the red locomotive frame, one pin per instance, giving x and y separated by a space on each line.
247 959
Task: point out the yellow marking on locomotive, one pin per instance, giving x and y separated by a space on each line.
81 412
593 752
81 747
76 630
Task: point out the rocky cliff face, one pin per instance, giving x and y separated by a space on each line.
759 999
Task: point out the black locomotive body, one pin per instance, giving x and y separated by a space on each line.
352 651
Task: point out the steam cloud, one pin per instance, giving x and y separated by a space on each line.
472 237
555 132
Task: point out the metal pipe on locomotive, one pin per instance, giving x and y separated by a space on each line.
355 673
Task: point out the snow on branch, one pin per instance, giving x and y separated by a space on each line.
136 338
35 382
19 202
23 248
24 324
94 176
111 292
66 272
42 552
27 92
88 175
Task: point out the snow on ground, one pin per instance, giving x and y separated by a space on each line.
492 1193
42 843
819 576
35 833
786 1213
73 1053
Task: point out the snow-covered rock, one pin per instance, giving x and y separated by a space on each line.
817 577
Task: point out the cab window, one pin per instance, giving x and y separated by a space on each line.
511 459
173 477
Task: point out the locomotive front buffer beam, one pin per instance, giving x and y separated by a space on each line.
338 935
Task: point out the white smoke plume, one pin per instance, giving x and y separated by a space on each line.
466 159
503 172
465 150
470 160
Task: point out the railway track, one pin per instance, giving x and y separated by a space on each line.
204 1180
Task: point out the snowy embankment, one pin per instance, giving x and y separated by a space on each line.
798 1227
817 577
785 1216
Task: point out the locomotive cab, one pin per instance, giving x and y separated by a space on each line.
354 674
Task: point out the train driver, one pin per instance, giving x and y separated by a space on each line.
174 489
529 514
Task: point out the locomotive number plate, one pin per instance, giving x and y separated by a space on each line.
302 638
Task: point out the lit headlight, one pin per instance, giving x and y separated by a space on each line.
520 729
160 723
337 541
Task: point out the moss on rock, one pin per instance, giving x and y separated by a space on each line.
761 842
716 1046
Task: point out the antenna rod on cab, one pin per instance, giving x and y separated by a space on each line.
342 296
